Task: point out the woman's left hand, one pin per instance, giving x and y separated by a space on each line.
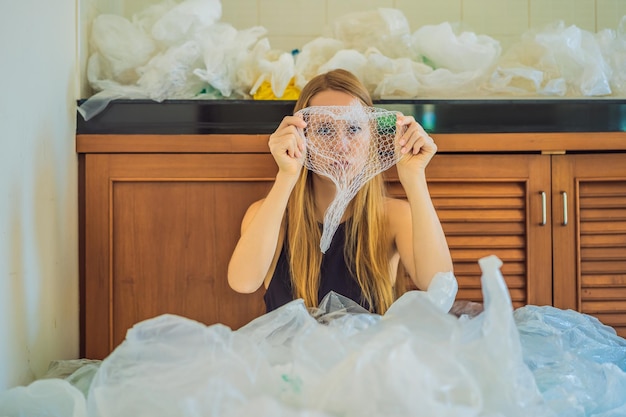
416 146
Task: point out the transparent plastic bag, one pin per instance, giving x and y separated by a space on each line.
78 372
557 60
43 398
578 362
121 47
441 47
224 50
185 20
383 28
313 55
416 359
460 63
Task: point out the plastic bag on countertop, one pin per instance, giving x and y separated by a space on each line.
441 47
171 50
565 60
169 75
225 50
613 46
186 20
384 29
393 78
460 62
348 59
313 55
121 47
279 73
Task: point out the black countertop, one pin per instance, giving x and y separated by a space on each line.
437 116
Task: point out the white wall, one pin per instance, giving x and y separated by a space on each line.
38 188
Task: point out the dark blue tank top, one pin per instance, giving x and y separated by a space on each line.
334 276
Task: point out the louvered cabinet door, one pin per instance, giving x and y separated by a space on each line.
589 232
495 205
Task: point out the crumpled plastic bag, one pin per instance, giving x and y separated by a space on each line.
312 56
435 62
180 50
348 59
185 20
557 60
460 62
612 43
414 360
176 51
441 47
225 50
578 362
43 398
78 372
394 78
383 28
119 47
278 75
174 366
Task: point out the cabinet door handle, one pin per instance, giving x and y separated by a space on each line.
564 195
544 214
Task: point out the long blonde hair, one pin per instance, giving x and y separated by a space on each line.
366 251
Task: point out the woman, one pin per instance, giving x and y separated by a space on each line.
280 234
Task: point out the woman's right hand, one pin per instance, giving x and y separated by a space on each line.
287 145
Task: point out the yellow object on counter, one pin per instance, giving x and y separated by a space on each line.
264 92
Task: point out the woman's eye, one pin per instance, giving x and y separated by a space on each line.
324 130
354 129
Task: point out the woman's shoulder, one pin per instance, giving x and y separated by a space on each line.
250 212
255 204
395 205
397 213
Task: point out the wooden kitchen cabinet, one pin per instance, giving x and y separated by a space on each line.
160 216
589 235
491 205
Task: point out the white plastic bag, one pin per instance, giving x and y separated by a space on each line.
313 55
182 22
565 61
121 47
224 50
43 398
461 63
384 29
465 52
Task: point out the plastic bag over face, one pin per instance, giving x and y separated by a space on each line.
349 145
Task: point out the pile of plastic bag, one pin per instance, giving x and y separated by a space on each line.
182 50
415 360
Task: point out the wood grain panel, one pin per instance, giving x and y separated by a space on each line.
494 211
446 142
159 231
160 214
171 242
594 242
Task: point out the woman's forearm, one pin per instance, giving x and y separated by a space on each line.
430 248
256 247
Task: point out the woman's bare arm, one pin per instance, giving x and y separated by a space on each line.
260 228
427 240
423 247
